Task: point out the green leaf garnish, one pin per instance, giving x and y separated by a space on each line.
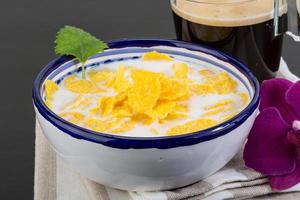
76 42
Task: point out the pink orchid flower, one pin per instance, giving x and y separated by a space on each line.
273 146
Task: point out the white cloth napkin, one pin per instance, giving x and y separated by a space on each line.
54 179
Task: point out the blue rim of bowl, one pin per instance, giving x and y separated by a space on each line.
165 142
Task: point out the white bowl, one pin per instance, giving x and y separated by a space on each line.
146 164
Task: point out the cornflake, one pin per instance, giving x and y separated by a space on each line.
74 117
206 73
69 80
161 109
101 77
83 87
143 118
154 55
119 82
244 97
145 91
192 126
173 89
180 70
202 89
50 88
97 125
126 126
223 83
82 103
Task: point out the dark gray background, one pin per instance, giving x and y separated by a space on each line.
27 31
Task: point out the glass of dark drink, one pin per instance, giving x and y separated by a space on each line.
250 30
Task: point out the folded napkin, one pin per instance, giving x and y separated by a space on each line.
54 179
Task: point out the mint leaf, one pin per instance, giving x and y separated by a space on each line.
76 42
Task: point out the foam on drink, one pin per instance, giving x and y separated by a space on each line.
226 13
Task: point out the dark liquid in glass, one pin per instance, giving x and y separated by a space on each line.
255 45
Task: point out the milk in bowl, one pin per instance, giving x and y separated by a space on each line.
151 95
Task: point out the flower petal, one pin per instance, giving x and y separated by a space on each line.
284 182
273 93
267 149
293 98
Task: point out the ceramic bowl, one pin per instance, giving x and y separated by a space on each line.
140 163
